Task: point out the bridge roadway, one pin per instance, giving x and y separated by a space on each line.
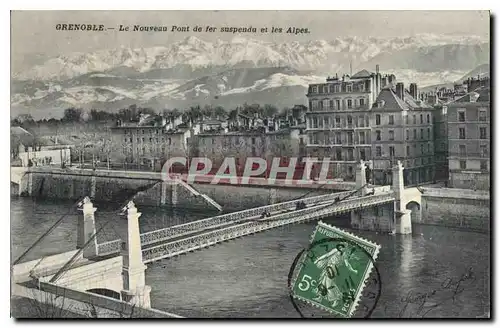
213 234
239 229
219 221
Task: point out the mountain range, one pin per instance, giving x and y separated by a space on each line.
229 73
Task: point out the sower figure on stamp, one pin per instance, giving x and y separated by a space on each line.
329 264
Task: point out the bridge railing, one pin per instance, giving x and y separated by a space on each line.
109 247
216 221
212 237
169 232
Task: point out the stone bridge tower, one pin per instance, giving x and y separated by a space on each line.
402 216
135 290
86 229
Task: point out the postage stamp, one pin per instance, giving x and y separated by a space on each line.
334 270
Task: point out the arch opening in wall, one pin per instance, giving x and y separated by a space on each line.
416 213
105 292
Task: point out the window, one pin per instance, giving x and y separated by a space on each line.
462 150
482 133
484 165
463 165
391 119
150 139
361 102
350 155
367 121
314 89
349 120
337 88
142 140
391 135
408 151
348 87
391 151
362 154
327 122
428 133
378 151
361 138
337 121
377 137
310 105
414 119
422 149
315 122
361 122
461 133
213 141
482 115
349 138
338 104
338 138
377 119
407 134
331 104
414 133
428 118
349 103
320 103
142 131
483 151
421 133
461 116
421 118
320 123
338 154
406 119
361 87
253 141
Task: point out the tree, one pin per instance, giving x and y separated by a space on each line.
219 111
270 110
72 114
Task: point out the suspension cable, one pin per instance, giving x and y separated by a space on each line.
46 233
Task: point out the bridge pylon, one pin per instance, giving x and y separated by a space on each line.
135 290
402 216
86 229
361 178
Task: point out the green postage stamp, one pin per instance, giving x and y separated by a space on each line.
333 271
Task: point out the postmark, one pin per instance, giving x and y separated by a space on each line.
332 273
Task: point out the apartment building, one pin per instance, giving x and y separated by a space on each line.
469 139
149 141
402 130
370 117
284 143
338 120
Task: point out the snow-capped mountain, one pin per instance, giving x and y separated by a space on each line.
310 55
193 71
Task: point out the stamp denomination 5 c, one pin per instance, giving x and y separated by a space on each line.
334 270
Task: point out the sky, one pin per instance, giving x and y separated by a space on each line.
34 36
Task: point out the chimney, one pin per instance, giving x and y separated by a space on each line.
414 90
400 90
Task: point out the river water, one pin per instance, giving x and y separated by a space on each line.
435 272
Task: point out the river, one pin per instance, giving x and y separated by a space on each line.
247 277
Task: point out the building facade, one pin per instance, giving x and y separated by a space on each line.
469 140
370 117
149 142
